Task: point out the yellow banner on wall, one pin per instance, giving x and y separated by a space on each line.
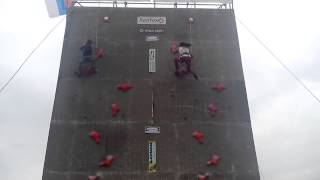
152 157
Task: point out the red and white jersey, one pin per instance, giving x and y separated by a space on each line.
184 51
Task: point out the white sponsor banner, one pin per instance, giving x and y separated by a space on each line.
152 60
196 1
152 130
151 20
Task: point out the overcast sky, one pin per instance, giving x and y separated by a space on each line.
285 118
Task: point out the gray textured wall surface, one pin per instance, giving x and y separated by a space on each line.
83 104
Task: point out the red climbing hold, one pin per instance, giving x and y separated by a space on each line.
93 177
218 87
174 48
203 177
214 161
199 136
124 87
107 162
91 71
115 109
95 136
99 53
213 109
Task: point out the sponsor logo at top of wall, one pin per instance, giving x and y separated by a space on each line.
151 20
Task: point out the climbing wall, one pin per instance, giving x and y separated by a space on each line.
200 129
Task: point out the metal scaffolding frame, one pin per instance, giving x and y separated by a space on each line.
214 4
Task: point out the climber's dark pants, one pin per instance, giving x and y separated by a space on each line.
85 65
182 59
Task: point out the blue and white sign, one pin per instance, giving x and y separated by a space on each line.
58 7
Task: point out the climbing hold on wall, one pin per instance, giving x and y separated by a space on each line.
218 87
93 177
213 109
115 109
203 176
106 19
191 20
99 53
124 87
95 136
214 161
107 161
199 136
174 48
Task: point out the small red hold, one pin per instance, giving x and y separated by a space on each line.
218 87
213 109
115 109
93 177
99 53
203 177
214 161
91 71
174 48
107 162
95 136
199 136
124 87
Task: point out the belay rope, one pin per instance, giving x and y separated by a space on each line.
97 24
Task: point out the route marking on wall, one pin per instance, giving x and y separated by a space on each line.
152 38
151 30
152 168
152 60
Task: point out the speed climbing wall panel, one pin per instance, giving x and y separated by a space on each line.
178 106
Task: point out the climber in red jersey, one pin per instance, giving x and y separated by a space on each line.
184 59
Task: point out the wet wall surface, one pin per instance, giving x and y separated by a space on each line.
180 105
